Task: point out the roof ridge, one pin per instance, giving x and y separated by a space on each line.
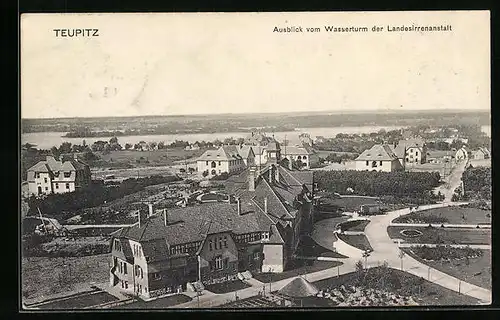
277 197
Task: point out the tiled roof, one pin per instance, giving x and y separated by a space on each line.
296 150
52 165
440 153
223 153
245 151
378 153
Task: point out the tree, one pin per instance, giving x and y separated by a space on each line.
65 147
191 170
205 173
240 141
128 146
113 140
161 145
55 152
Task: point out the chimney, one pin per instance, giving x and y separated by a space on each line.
265 204
150 206
165 217
238 202
290 164
251 179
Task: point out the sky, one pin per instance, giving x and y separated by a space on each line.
166 64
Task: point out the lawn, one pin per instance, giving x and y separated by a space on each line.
309 248
226 287
443 235
351 203
477 271
299 267
323 231
359 241
159 303
451 215
398 282
42 277
79 301
354 225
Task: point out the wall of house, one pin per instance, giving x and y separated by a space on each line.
220 166
386 166
43 181
141 280
250 257
273 258
295 157
207 258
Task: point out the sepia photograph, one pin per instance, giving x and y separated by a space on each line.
265 160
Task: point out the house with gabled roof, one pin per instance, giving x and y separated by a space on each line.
378 158
224 159
411 151
58 176
213 242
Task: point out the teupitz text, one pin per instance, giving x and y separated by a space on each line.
73 33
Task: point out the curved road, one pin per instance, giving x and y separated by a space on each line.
385 249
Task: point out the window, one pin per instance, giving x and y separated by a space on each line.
210 245
118 245
37 175
206 163
46 188
156 276
380 162
45 180
220 242
265 235
67 185
57 185
213 164
67 174
416 153
256 256
226 263
126 284
219 163
124 268
374 164
225 241
218 263
367 163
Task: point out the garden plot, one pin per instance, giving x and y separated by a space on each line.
448 215
432 235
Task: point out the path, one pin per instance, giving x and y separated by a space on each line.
442 225
88 226
385 249
452 181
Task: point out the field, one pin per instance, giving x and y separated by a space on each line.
477 271
451 215
163 157
300 267
427 293
359 241
42 277
431 167
159 303
225 287
443 235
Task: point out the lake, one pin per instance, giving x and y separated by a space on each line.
487 130
46 140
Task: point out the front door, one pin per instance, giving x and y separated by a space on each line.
39 190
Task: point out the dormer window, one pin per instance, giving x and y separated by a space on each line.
67 174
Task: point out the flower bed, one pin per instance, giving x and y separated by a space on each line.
411 233
354 225
445 253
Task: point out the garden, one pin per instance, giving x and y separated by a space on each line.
295 268
448 215
359 241
467 264
228 286
160 303
431 235
382 285
354 225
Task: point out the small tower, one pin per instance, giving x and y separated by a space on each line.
273 152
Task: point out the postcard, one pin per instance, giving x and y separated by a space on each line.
255 160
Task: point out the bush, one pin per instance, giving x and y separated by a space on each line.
222 176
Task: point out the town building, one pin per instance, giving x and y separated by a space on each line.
214 242
462 154
305 154
481 154
378 158
411 151
257 139
248 155
54 176
305 138
440 156
225 159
